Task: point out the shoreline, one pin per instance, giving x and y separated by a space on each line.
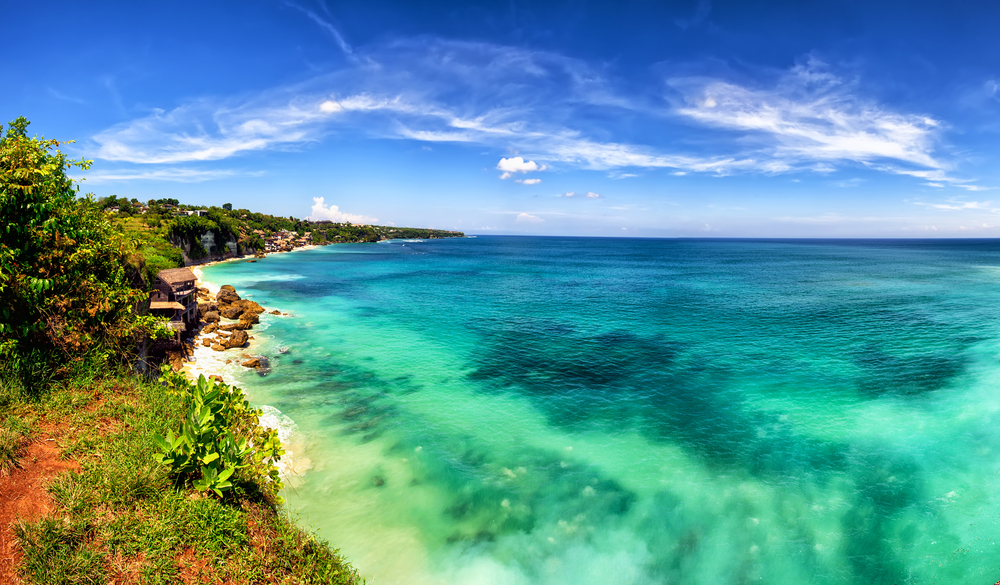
214 288
227 365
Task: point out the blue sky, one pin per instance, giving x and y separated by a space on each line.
693 118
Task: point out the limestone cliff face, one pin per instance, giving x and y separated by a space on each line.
204 248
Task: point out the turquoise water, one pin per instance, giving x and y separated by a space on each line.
576 410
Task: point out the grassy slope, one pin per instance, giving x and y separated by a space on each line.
120 519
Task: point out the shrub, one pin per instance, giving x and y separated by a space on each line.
67 285
219 436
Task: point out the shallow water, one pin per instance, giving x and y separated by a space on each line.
576 410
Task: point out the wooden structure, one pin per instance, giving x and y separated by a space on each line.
174 296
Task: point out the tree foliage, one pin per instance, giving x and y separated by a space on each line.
69 284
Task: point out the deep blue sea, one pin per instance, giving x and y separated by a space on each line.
579 410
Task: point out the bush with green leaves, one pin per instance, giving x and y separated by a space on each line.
69 281
220 439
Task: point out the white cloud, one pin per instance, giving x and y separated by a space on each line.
528 181
527 218
592 195
333 213
568 194
330 106
517 164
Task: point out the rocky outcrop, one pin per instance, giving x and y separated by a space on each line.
251 363
237 339
231 311
211 317
225 296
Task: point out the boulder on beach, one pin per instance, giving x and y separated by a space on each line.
218 347
251 363
211 317
228 287
231 312
217 378
226 296
206 342
237 339
252 307
209 328
250 317
229 327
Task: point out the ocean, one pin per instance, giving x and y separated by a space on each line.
545 410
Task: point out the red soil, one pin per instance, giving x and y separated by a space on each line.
23 497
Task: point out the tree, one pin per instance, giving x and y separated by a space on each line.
68 288
227 206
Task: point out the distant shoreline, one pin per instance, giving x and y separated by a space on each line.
214 288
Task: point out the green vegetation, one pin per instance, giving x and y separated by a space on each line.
120 517
219 436
137 502
69 279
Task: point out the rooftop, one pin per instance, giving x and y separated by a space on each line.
176 275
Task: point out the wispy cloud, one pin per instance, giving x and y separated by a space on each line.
700 14
532 102
959 205
180 175
325 25
812 116
66 98
528 181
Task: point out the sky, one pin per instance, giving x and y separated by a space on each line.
695 118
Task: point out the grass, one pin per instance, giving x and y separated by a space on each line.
120 518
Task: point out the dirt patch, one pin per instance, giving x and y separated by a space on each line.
23 496
194 570
126 570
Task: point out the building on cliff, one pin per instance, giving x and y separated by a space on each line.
174 297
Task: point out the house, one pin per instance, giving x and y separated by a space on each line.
174 297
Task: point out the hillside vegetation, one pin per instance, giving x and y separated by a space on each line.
107 476
160 223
